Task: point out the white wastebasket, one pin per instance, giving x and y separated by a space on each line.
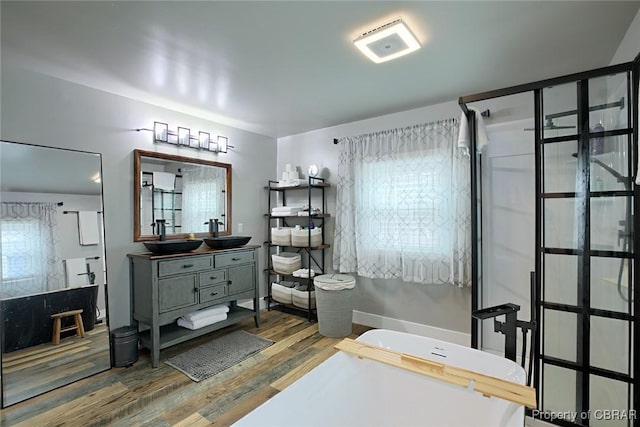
334 301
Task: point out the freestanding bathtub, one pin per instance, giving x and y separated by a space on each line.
347 391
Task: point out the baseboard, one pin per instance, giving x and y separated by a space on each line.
382 322
249 304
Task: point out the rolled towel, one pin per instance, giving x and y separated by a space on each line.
206 312
304 272
197 324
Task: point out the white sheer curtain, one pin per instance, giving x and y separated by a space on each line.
31 260
203 197
403 206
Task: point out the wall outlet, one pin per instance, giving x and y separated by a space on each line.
240 228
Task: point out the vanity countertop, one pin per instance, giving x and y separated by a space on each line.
203 250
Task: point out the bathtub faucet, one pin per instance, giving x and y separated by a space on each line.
508 327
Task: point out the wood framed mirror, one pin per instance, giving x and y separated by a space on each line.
185 192
53 266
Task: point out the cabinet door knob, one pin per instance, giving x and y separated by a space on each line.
187 266
228 282
235 259
213 277
195 290
214 293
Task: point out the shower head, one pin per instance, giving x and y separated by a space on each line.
549 125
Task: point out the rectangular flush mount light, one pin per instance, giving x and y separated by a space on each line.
387 42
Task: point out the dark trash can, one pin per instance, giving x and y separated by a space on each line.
124 346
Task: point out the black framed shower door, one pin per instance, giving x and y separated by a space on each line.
586 304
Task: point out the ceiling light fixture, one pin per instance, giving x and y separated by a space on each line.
386 42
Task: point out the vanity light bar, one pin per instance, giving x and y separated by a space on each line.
184 138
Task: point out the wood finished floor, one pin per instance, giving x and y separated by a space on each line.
47 366
143 396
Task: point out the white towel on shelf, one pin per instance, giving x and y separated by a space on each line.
464 137
76 272
286 211
304 272
206 312
285 208
197 324
164 181
88 229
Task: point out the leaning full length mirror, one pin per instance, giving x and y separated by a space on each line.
182 192
52 250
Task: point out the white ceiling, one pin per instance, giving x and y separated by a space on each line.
284 67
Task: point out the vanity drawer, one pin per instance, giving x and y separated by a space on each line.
233 258
212 293
184 265
213 277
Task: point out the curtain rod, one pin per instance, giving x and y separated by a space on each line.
69 212
34 203
485 113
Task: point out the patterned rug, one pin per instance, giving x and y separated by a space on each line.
213 357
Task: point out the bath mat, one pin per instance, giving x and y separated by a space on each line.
213 357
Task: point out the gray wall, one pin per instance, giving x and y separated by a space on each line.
43 110
446 307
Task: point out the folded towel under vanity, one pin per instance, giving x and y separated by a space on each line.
201 323
206 312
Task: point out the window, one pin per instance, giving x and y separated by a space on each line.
401 206
23 270
30 263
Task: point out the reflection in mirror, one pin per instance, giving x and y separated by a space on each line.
183 192
52 250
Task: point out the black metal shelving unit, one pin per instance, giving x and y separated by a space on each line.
312 256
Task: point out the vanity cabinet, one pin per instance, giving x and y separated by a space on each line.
165 287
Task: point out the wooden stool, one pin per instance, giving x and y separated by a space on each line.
78 326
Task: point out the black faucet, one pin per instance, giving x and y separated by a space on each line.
511 324
160 229
213 226
508 328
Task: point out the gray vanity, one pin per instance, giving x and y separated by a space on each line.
165 287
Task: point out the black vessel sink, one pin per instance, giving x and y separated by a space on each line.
173 246
226 242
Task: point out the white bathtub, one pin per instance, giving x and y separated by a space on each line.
346 391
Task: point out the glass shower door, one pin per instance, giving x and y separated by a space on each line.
585 254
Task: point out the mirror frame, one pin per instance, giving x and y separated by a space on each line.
137 169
